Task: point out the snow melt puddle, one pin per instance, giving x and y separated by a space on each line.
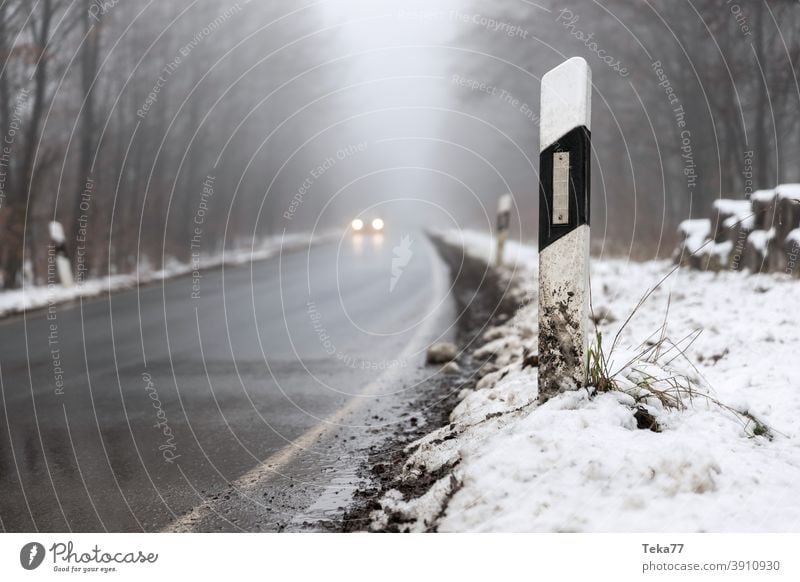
334 497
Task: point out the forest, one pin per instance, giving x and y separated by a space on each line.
115 115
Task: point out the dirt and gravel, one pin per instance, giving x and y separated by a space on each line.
482 300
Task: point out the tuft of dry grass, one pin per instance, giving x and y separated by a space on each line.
650 377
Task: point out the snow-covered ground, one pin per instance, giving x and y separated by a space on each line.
34 297
579 462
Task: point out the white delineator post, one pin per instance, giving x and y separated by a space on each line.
63 264
564 145
503 223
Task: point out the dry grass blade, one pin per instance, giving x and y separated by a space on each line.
673 390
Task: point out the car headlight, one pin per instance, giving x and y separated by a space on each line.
357 224
377 224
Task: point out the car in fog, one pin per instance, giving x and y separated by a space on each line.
367 226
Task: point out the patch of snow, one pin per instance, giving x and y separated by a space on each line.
579 462
420 511
728 207
483 247
695 233
746 222
763 195
722 250
37 296
788 191
759 239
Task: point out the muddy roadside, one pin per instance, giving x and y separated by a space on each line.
482 300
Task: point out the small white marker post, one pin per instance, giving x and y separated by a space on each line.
503 223
564 145
63 264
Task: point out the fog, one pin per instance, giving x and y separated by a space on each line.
300 116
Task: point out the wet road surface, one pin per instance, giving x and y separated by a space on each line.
236 401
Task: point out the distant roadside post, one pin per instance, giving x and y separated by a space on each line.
59 254
564 146
503 222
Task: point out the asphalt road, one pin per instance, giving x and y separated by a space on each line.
242 407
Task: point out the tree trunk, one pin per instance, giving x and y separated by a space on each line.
763 114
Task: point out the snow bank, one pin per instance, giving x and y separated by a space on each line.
484 247
35 297
579 462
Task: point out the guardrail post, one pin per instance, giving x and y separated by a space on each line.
565 146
